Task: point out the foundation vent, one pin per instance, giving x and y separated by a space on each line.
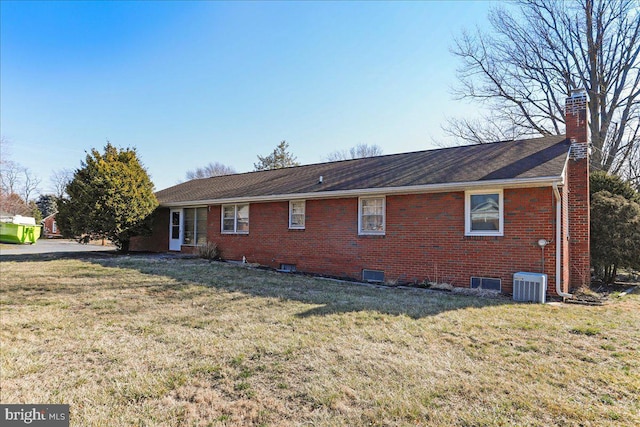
375 276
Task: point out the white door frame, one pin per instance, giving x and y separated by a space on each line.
175 244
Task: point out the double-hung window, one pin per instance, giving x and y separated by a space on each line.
484 213
195 226
297 214
371 215
235 219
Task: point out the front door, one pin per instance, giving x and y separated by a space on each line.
175 230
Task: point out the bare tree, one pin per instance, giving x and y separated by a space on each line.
357 152
17 183
4 149
10 176
13 204
634 167
212 169
59 180
534 57
29 184
18 180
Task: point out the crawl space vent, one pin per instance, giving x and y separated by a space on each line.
376 276
288 268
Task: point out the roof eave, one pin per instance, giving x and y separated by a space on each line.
430 188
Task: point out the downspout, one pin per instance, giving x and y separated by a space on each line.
559 243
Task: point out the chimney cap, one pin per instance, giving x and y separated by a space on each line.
578 93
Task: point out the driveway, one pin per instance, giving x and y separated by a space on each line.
52 246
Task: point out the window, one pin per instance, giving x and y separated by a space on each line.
175 225
195 226
484 213
54 227
371 215
235 219
296 214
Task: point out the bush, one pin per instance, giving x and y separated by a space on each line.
615 234
209 251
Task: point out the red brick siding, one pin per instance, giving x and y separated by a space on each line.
159 240
424 238
189 249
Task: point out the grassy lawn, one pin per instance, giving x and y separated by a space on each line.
142 341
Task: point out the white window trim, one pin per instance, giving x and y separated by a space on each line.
304 221
467 213
362 232
235 218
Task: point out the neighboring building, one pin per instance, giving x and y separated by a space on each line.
50 229
461 215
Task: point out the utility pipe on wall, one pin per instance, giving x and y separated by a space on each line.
559 244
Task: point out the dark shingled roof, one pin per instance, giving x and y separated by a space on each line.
521 160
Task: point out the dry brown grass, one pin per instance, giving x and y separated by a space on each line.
141 341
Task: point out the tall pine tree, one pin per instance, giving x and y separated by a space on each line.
278 159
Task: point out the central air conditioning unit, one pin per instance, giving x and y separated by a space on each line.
529 287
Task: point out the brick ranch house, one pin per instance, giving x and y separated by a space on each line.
50 227
468 215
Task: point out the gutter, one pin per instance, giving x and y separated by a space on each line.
412 189
559 244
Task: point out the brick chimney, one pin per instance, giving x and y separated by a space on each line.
578 132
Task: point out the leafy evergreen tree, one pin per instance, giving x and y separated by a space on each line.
615 225
47 204
111 196
602 181
278 159
34 211
615 234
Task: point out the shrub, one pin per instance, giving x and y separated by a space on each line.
615 225
615 234
209 251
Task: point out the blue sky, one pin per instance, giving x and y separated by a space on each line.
188 83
